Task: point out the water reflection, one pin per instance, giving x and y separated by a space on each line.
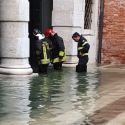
86 93
46 96
14 93
47 99
57 93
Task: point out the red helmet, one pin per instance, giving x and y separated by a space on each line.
48 33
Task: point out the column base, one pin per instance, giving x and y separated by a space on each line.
14 71
13 66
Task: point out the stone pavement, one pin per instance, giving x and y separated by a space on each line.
110 105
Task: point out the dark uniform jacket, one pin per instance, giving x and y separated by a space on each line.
43 51
83 47
58 48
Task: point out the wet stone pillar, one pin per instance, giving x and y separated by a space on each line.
14 41
67 18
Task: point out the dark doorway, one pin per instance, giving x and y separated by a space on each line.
41 18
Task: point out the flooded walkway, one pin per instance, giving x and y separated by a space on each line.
59 98
110 105
64 98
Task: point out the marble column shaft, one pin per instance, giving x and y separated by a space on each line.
14 41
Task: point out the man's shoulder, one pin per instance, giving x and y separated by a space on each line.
59 37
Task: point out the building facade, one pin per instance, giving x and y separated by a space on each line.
19 17
113 39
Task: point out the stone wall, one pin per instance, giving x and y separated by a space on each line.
67 18
113 43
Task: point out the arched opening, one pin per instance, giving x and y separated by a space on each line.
41 18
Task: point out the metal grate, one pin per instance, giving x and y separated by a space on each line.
88 14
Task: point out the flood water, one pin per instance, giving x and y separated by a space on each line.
57 98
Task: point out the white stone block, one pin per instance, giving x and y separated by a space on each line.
78 19
61 5
14 29
15 63
14 47
78 5
14 39
15 71
67 18
68 5
14 10
62 18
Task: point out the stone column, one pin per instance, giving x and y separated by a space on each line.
67 18
14 41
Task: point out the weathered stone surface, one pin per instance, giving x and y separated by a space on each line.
68 17
113 44
14 10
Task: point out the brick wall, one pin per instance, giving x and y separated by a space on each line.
113 43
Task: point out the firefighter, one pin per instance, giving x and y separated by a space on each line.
58 49
42 51
82 52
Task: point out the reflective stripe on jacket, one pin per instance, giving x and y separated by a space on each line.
56 60
46 58
43 53
83 47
